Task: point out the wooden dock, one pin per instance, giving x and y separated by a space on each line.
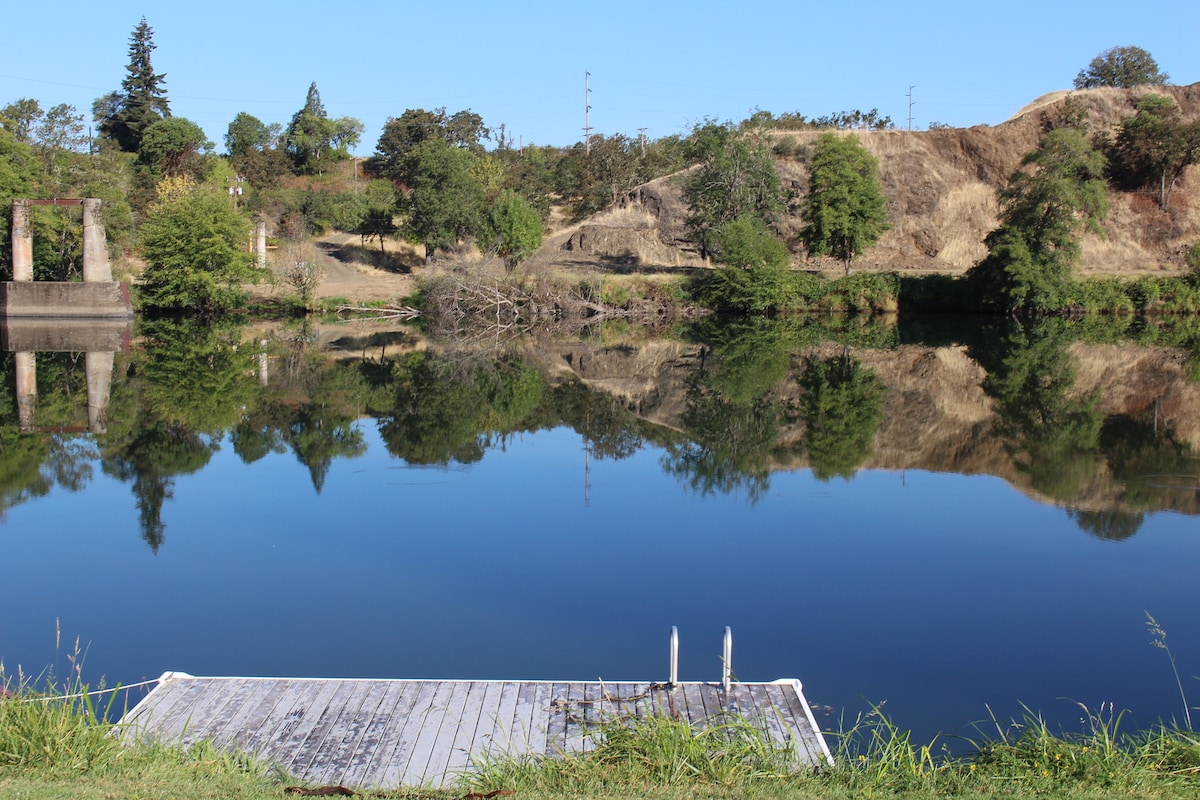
392 733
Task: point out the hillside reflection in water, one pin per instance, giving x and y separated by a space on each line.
938 518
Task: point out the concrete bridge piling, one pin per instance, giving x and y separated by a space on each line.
97 296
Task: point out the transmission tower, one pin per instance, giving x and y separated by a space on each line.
587 115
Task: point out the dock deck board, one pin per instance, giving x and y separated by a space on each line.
391 733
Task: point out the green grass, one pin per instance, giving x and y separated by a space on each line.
667 758
658 752
55 744
60 749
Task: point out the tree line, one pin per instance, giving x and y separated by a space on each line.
446 180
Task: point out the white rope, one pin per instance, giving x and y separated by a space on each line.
96 693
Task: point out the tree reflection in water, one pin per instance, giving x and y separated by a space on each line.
741 400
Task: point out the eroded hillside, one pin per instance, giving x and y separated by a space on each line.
942 189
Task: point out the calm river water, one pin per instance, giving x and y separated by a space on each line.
943 527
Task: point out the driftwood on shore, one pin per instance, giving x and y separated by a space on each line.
397 312
465 300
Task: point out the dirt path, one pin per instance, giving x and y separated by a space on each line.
347 277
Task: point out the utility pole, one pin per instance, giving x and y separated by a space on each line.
587 115
642 139
910 105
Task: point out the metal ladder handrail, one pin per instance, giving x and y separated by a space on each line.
726 658
674 679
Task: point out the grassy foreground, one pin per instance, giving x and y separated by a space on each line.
59 749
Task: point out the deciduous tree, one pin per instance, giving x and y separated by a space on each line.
20 117
18 171
254 150
195 254
313 139
1122 67
1058 191
1154 147
174 146
513 228
845 209
377 224
463 129
753 278
734 177
61 128
247 133
446 202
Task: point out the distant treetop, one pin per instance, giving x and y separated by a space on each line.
1122 67
125 115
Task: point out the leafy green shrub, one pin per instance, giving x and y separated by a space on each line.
790 147
1100 296
614 294
512 227
868 292
1192 259
1145 293
1176 296
754 276
343 211
195 254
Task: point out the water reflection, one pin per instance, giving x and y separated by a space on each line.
58 384
728 405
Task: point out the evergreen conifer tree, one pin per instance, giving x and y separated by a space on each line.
124 116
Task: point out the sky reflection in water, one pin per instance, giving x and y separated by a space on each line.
937 593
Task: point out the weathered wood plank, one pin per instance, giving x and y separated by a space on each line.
809 733
167 718
325 754
771 705
253 716
687 702
213 699
286 713
396 765
376 733
712 699
388 715
416 772
580 699
529 725
442 754
481 703
495 739
210 723
311 706
141 722
556 724
486 726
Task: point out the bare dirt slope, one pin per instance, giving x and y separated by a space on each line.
350 271
942 188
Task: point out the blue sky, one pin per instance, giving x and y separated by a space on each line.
662 66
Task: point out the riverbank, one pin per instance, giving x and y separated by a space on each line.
56 750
